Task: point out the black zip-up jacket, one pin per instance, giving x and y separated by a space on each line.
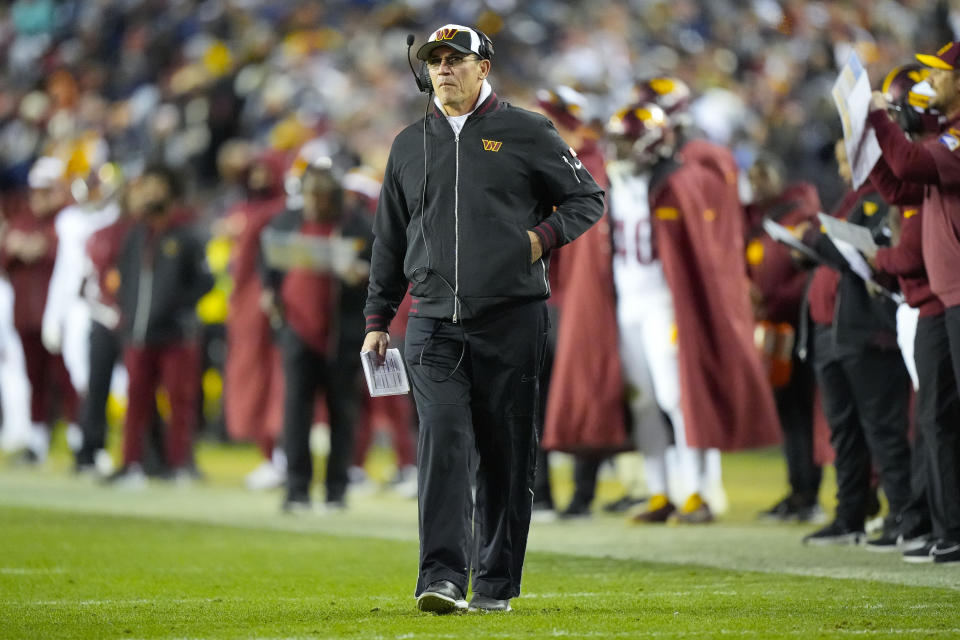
162 277
464 246
860 320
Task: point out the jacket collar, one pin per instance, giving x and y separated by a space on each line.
492 103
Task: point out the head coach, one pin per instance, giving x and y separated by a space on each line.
475 196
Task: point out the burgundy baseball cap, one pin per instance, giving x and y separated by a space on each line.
946 58
456 36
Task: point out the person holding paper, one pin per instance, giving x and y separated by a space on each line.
863 382
319 306
475 196
931 168
778 288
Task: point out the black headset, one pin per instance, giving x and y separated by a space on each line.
422 75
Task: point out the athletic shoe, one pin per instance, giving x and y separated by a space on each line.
335 506
623 504
575 510
486 604
812 514
946 551
694 511
912 543
296 503
441 597
783 511
265 477
130 476
659 509
889 540
920 555
835 534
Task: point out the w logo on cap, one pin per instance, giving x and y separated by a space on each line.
491 145
445 34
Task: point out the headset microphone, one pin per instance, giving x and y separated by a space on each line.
423 77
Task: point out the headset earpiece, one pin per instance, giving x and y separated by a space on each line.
423 79
486 45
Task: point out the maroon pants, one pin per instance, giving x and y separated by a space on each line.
49 380
176 366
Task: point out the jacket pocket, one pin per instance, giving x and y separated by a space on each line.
525 252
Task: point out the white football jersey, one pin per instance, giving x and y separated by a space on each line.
637 270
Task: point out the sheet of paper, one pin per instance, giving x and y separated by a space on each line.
388 379
782 235
851 93
286 250
859 266
854 234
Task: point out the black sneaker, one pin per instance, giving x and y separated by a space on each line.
920 555
835 534
812 514
783 511
441 597
946 551
575 510
889 540
483 603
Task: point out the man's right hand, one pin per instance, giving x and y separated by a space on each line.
377 341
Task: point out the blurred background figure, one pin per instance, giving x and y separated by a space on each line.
253 404
860 373
94 184
28 256
319 305
778 287
163 273
582 299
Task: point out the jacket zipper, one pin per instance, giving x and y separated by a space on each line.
456 232
575 176
546 284
141 318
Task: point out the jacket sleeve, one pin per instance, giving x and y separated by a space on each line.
909 160
893 189
199 279
387 280
906 258
570 188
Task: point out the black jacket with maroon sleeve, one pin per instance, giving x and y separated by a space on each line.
454 224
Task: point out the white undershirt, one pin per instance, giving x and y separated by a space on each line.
456 122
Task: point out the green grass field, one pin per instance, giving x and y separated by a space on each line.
213 561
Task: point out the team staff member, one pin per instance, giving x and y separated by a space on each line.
320 335
862 379
471 226
778 287
934 164
162 269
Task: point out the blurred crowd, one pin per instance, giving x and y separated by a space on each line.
147 147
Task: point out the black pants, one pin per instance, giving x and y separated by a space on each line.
476 388
938 420
585 471
865 398
305 373
795 409
105 348
542 493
